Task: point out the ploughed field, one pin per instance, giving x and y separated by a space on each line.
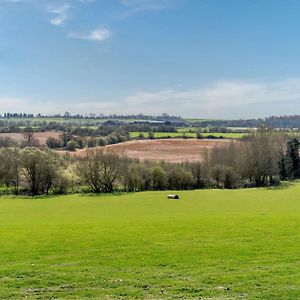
210 244
40 136
170 150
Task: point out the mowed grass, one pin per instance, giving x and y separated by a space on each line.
211 244
233 135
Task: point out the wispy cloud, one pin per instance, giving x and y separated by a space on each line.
222 99
233 99
13 104
86 1
60 14
140 5
97 35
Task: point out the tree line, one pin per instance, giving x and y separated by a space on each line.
264 159
290 122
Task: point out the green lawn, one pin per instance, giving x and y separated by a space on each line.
233 135
214 244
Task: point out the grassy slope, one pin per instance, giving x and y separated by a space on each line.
233 135
212 243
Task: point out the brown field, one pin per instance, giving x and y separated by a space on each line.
41 136
170 150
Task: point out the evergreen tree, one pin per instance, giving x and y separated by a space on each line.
293 157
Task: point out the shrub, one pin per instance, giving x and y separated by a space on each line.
141 136
179 179
101 142
71 146
53 142
91 143
7 142
230 178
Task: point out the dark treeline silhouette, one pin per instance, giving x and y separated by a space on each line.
274 122
24 119
264 159
85 127
67 115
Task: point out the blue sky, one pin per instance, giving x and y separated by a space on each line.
194 58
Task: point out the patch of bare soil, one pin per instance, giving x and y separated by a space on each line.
170 150
41 136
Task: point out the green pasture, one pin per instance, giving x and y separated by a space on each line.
210 244
135 134
195 120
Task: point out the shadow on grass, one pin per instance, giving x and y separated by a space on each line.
71 195
283 185
115 193
75 195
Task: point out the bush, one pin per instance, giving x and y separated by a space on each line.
7 191
7 142
91 143
71 146
199 136
80 142
230 178
141 136
179 179
151 136
52 143
112 139
101 142
62 183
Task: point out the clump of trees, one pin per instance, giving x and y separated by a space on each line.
289 165
99 170
263 159
71 142
254 162
32 171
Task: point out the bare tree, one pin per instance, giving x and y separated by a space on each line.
40 170
217 173
100 169
10 167
29 138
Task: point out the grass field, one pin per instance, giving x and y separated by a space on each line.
233 135
214 244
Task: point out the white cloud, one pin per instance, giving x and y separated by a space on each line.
98 35
20 105
222 99
230 99
60 14
13 104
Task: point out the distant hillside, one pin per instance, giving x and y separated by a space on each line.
274 121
